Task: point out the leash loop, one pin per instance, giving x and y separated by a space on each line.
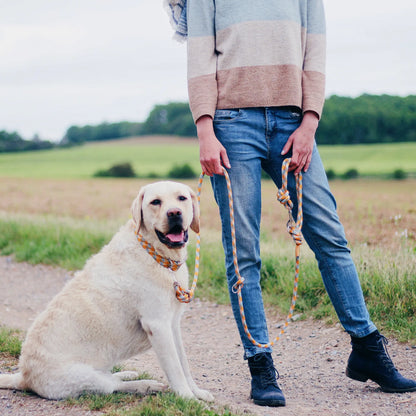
294 228
183 295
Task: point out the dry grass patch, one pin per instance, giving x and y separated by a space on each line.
375 213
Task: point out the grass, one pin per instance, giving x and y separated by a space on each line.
159 154
49 242
10 342
163 404
389 281
389 287
144 154
369 160
64 222
103 401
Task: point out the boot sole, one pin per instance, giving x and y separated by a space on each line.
270 403
390 390
360 377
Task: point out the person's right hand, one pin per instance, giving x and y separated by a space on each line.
212 154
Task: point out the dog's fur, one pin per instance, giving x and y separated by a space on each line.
120 304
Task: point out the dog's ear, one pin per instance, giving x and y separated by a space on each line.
136 210
195 207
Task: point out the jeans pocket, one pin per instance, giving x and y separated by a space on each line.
226 116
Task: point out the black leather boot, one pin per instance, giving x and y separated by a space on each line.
264 388
370 360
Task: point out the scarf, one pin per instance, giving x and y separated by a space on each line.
176 10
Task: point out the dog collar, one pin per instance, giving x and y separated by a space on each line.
163 261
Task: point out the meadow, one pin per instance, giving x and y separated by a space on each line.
53 211
158 154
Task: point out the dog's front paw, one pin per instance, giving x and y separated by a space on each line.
155 387
204 395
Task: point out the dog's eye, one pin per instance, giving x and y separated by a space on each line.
156 202
182 198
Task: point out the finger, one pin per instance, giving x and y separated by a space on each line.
298 170
218 169
206 169
308 163
301 164
287 146
293 163
225 160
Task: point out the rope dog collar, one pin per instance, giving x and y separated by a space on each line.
163 261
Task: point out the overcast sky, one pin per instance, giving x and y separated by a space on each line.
66 62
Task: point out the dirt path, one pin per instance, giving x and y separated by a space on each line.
311 357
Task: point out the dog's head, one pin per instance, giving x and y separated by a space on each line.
164 211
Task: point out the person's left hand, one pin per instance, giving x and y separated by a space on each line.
301 142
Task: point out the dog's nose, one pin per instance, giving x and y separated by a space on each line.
174 212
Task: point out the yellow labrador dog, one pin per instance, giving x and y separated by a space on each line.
120 304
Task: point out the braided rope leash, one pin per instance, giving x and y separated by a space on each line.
294 229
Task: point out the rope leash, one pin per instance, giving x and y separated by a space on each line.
294 228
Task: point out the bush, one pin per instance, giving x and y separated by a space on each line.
122 170
330 174
350 174
399 174
182 172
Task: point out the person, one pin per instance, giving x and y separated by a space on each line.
256 85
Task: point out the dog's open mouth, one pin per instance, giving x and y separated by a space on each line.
174 238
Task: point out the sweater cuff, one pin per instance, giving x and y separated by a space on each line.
202 93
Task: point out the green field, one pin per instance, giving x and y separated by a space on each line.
376 159
158 155
84 161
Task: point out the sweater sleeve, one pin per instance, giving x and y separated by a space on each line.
202 58
313 75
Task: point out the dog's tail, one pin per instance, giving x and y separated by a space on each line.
11 381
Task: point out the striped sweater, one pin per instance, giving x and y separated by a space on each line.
255 53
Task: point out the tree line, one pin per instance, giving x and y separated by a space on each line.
368 119
13 142
361 120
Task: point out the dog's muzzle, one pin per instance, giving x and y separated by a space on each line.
176 237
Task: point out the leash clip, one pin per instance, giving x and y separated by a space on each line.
237 286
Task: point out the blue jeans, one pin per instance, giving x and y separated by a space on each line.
254 139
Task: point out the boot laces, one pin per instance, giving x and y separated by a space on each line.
387 361
270 376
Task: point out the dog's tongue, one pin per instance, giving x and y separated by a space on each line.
175 238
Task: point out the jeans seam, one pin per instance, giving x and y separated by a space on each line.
329 273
